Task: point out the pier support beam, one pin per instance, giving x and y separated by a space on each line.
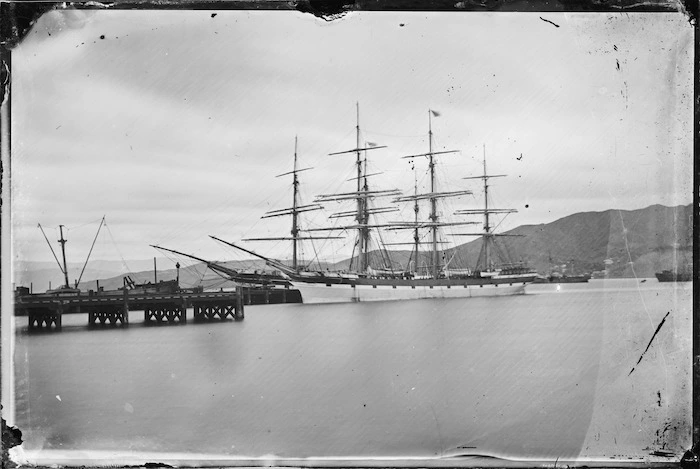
213 311
240 314
166 312
44 318
105 315
208 310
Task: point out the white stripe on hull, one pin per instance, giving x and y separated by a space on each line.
339 293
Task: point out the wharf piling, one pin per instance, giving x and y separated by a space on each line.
45 318
165 312
109 309
219 310
110 313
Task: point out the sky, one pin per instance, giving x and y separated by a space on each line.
174 124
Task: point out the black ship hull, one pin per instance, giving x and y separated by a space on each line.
670 276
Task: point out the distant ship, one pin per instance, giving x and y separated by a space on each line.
558 277
373 283
583 278
674 276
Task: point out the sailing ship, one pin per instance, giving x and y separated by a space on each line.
269 279
367 283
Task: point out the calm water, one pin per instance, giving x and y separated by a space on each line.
543 375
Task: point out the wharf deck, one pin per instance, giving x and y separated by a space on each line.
46 310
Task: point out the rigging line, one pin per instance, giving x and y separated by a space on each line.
201 278
498 248
84 224
500 222
216 283
384 252
315 258
52 251
223 276
513 259
190 266
212 213
308 264
352 254
342 139
371 132
128 269
337 187
90 252
169 256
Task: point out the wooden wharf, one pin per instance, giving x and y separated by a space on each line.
45 311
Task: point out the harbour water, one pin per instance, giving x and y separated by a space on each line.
546 375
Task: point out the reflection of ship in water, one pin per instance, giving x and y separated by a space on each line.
364 282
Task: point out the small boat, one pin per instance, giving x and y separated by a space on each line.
374 283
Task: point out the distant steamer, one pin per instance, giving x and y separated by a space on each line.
674 276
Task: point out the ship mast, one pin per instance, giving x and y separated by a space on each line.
487 228
484 261
63 252
434 224
361 196
433 201
63 242
294 211
416 239
362 216
365 221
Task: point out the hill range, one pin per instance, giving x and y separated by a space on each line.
623 243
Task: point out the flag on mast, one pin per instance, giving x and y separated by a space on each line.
435 113
372 144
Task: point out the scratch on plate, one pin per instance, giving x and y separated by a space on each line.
555 24
5 77
658 328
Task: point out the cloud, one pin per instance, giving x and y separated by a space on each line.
175 126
